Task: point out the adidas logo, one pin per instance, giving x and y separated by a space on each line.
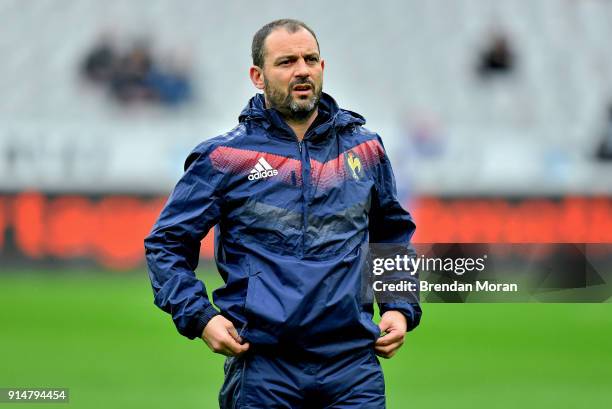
262 170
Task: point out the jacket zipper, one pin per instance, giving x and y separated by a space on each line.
305 161
304 197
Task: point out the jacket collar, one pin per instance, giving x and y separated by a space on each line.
335 117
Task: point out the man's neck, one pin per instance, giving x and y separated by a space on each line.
300 127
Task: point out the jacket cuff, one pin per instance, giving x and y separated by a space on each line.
412 313
201 321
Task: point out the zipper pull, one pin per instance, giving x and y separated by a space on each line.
300 146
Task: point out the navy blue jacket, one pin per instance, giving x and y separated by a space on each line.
293 221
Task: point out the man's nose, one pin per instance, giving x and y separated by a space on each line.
301 68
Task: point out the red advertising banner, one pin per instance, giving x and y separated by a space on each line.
520 220
42 230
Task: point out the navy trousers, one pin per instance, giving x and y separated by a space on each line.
274 380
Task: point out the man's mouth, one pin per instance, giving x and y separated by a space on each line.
302 88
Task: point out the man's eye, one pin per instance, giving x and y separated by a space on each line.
286 62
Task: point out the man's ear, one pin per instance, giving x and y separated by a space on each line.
322 64
256 74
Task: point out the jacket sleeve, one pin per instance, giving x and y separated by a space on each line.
390 223
172 248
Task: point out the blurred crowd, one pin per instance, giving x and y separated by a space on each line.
134 74
498 57
604 150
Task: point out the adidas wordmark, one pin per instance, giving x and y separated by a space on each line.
262 170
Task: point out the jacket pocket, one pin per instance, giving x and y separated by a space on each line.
272 306
260 317
265 304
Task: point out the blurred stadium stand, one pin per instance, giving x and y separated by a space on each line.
410 67
533 133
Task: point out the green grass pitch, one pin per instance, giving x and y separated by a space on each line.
101 336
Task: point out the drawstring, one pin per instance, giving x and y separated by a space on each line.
248 125
335 135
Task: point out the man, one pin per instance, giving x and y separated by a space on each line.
296 191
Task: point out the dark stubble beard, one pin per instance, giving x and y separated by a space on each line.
290 108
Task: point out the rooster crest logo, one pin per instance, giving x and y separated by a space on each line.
354 164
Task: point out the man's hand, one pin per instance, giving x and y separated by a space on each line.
222 338
394 325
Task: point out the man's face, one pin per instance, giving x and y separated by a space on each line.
292 73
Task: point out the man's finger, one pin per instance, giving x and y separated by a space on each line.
387 351
235 351
384 326
388 348
388 339
244 347
232 331
386 355
234 347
